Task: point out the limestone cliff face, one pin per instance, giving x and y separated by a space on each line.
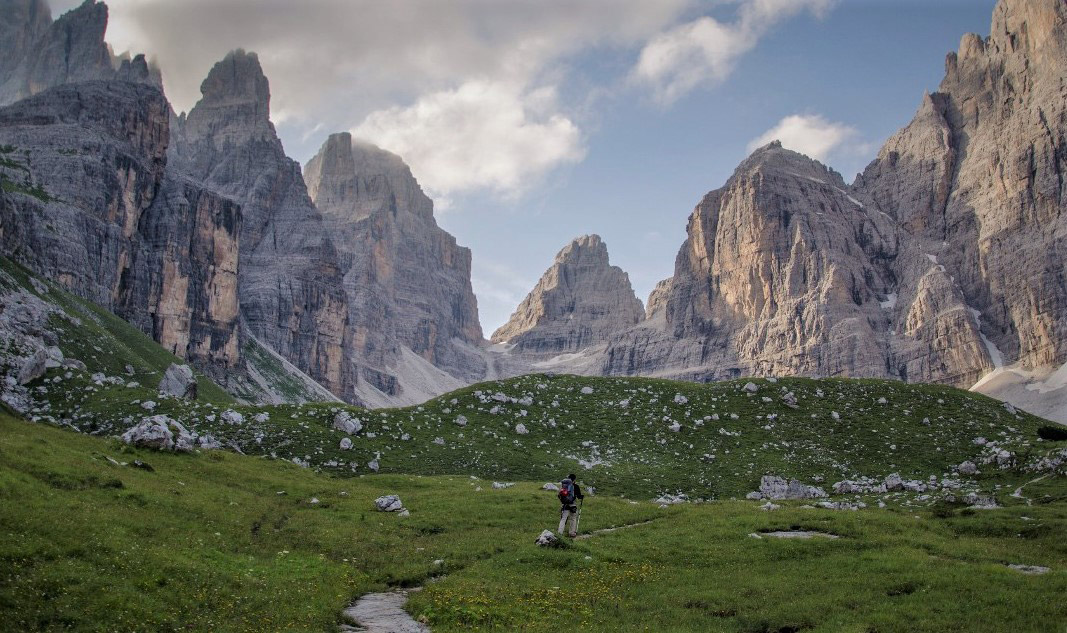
976 181
91 204
40 54
407 282
290 282
773 278
579 301
942 261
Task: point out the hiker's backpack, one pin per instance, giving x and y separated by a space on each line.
566 492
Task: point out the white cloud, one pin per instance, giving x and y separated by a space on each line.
333 64
809 134
327 59
705 51
483 135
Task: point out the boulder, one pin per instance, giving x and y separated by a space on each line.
178 382
388 503
546 539
893 483
55 357
552 487
967 468
34 367
777 488
153 432
346 443
161 433
344 421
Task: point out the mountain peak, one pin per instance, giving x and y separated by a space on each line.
237 79
580 301
357 179
584 247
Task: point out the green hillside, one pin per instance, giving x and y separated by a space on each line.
223 542
619 436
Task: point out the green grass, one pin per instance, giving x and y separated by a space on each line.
205 542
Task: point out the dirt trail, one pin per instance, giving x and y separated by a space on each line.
1018 494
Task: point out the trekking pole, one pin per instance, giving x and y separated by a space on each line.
578 520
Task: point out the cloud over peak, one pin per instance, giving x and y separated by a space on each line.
484 135
705 50
809 134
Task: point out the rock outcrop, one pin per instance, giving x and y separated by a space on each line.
657 299
773 279
41 54
407 282
579 302
90 203
976 184
941 263
290 282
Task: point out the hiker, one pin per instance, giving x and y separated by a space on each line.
569 492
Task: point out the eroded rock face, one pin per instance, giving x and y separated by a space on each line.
976 180
290 283
407 282
40 54
657 299
97 210
580 301
944 260
773 279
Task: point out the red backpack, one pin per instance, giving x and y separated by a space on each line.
566 492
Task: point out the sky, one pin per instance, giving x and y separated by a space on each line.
532 122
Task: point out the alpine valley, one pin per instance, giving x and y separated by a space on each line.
238 393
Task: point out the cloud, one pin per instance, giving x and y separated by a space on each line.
808 134
705 51
483 135
338 64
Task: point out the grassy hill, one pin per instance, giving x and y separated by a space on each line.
627 436
224 542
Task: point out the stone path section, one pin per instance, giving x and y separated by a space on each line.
383 613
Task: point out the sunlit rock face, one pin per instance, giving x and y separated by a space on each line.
945 259
98 210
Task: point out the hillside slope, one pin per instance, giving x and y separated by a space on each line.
99 536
